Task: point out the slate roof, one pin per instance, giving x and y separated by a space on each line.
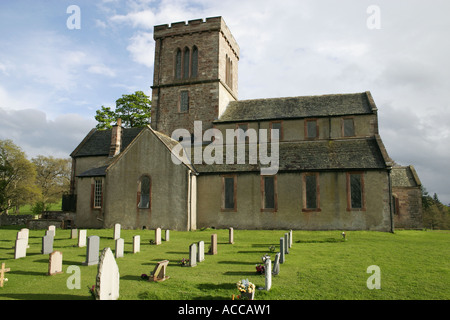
405 177
348 154
97 142
298 107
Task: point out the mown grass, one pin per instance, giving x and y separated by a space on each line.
320 266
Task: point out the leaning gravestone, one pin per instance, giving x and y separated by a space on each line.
47 244
276 264
93 246
201 251
136 244
193 255
116 234
159 273
55 263
108 277
82 238
158 236
119 248
20 250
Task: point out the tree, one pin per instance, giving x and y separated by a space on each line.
17 177
134 110
52 178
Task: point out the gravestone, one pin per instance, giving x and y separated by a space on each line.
136 244
193 255
201 251
92 249
52 228
213 249
268 273
108 277
119 248
47 244
82 238
231 235
159 273
73 233
50 233
2 274
282 250
276 264
55 263
116 234
158 236
20 249
290 238
24 234
167 237
286 243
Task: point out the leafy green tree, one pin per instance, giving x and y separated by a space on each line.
134 110
17 177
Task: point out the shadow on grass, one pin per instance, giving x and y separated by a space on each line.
327 240
239 273
236 262
43 296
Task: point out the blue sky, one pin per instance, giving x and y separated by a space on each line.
53 79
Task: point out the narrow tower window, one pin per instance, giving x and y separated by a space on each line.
178 64
186 62
194 64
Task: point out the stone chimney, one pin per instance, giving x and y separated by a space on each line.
116 139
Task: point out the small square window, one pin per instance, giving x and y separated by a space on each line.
349 127
184 101
311 129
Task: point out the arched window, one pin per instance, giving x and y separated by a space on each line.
194 62
186 62
178 64
144 190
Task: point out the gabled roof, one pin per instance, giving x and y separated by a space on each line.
97 142
345 154
405 177
298 107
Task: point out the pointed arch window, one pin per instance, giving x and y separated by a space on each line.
194 62
144 190
178 64
186 62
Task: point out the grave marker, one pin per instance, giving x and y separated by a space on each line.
2 274
159 273
193 255
92 249
55 263
23 234
268 273
20 250
213 249
231 235
73 233
286 243
82 238
136 244
116 234
119 248
167 235
47 244
108 277
201 251
52 228
276 264
158 236
281 250
290 238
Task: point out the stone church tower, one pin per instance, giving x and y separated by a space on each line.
195 74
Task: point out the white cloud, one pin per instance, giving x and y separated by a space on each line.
140 47
102 70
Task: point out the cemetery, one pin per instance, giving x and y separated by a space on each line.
111 264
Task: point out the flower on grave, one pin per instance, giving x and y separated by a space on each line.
245 286
92 291
152 241
144 276
272 248
184 262
260 268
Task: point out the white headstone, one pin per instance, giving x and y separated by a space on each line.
73 233
193 255
290 238
136 244
231 235
82 238
167 238
55 263
119 248
201 251
276 264
116 231
107 282
24 234
268 273
158 236
52 228
20 250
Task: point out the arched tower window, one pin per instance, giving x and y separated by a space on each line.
178 64
143 195
194 62
186 62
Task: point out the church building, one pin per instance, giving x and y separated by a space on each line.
330 169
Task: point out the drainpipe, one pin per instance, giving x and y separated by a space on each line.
389 168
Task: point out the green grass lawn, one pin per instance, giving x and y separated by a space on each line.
320 266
